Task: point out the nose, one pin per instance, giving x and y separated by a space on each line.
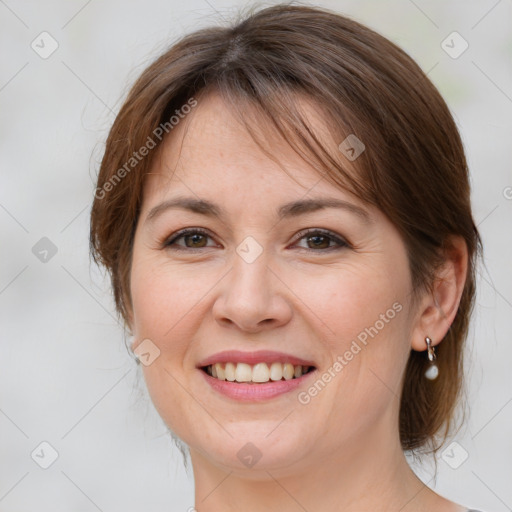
252 298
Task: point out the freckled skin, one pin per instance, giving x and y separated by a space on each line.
341 448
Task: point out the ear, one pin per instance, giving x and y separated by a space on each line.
437 308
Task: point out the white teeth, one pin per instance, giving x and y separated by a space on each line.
229 371
260 372
220 371
288 371
243 372
276 371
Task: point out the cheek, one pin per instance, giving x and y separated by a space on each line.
360 315
163 299
352 300
163 311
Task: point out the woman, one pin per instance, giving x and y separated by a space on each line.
284 209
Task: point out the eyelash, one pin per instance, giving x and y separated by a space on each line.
170 242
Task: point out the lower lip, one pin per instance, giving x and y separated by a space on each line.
255 392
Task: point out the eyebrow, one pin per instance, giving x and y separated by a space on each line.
287 210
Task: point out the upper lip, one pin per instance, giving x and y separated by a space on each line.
260 356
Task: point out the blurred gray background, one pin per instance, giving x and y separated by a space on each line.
66 378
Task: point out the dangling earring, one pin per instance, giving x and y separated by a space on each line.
432 371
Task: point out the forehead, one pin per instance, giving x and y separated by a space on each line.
211 150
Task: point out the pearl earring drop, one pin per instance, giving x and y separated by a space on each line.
432 371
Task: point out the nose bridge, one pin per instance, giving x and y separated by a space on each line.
250 264
249 283
250 297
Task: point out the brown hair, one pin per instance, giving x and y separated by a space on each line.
413 167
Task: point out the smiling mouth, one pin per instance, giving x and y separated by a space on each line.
259 373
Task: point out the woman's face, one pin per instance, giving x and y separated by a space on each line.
327 287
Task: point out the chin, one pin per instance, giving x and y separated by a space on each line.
252 452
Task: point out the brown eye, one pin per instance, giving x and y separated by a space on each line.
318 241
195 240
321 240
189 239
